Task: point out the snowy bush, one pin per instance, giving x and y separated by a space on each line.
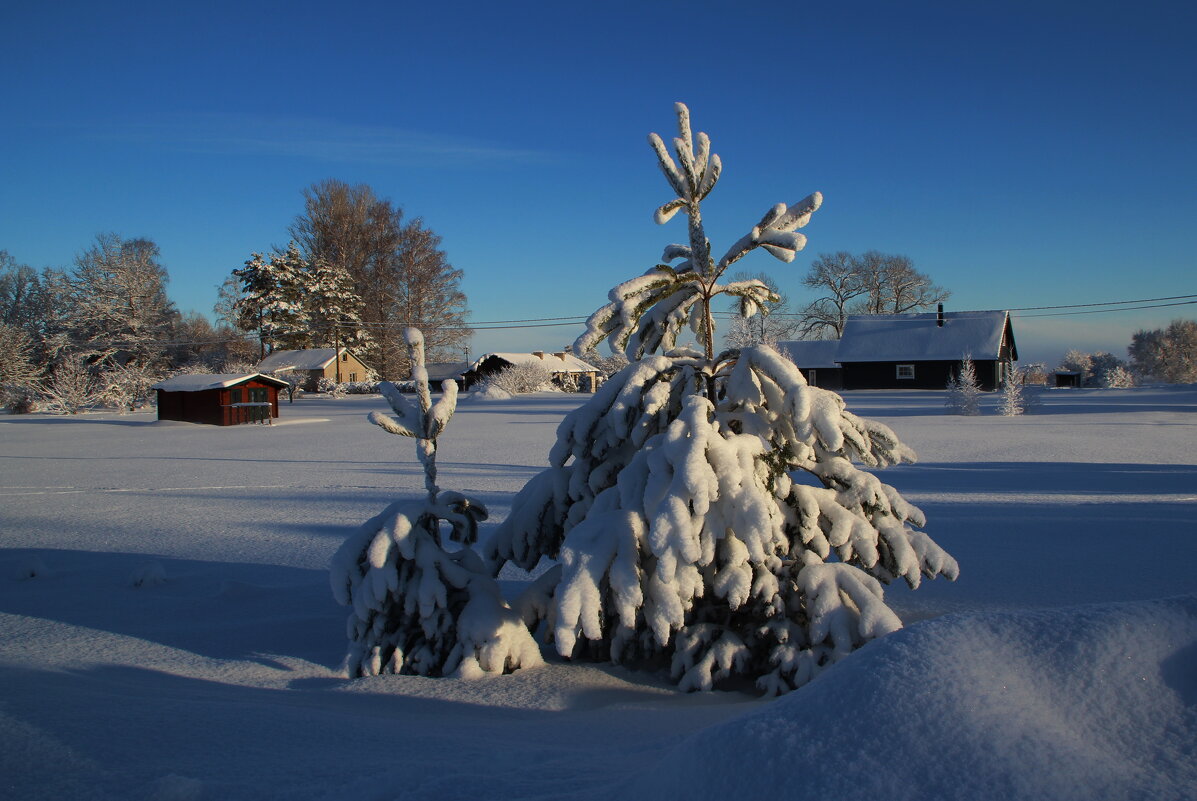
518 379
127 387
18 374
329 387
1099 369
419 608
360 388
964 393
71 387
704 509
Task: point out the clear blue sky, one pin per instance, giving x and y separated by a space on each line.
1021 153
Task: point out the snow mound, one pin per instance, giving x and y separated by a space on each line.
490 393
1081 703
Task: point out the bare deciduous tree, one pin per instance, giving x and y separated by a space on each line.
120 311
772 323
398 270
872 283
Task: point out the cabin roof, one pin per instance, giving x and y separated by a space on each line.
815 353
198 382
918 337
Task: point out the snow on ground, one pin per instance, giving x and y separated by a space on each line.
167 631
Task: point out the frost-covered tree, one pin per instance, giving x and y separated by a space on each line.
1014 398
71 387
419 608
18 374
771 324
706 510
964 393
1098 369
1166 354
119 311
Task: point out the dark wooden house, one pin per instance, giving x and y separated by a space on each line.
568 371
923 351
221 400
815 359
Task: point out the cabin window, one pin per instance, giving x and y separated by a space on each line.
235 395
906 371
811 378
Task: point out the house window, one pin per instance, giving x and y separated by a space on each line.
353 376
235 395
906 371
811 377
344 357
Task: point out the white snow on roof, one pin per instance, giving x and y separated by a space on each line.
309 359
439 371
894 337
555 362
198 382
811 353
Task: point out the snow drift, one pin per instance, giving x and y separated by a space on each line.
1080 703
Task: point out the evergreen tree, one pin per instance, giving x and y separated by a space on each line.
419 608
705 509
334 308
1013 392
272 298
964 393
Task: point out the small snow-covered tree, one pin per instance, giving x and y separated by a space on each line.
964 393
706 509
419 608
1014 400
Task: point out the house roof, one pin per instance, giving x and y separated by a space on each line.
917 337
198 382
439 371
818 353
308 359
555 362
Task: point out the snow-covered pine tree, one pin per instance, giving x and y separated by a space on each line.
419 608
334 307
964 393
272 299
704 509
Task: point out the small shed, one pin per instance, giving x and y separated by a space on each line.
316 363
219 399
1068 378
815 359
569 372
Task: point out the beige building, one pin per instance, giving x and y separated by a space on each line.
340 366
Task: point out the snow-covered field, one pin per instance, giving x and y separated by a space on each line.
179 639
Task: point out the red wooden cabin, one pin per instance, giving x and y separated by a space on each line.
221 400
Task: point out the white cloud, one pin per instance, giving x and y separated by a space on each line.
308 137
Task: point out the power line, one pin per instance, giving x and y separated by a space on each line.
1101 311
